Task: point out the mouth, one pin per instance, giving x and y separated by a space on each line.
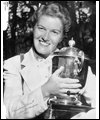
44 43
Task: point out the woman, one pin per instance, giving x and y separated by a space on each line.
28 82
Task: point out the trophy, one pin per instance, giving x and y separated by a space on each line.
75 64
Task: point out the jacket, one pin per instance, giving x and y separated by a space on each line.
22 91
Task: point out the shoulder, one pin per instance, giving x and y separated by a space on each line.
16 60
12 62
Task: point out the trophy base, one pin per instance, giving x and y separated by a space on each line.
63 110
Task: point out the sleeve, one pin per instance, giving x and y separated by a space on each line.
89 91
91 114
20 106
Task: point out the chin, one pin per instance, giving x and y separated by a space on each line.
42 53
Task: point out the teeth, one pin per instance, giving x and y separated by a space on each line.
43 43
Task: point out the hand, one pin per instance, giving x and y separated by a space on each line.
59 86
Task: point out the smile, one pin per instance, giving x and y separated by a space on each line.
44 43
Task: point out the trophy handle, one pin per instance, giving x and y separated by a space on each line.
81 55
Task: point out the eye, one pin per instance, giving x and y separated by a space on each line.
41 28
55 32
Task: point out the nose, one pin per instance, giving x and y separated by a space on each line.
46 36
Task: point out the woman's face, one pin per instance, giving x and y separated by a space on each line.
48 32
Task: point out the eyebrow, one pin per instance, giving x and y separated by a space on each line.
57 30
52 29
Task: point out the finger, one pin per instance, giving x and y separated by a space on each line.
64 91
70 80
58 71
70 86
61 95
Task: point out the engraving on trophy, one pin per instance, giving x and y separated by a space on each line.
72 66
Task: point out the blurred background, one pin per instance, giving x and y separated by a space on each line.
17 38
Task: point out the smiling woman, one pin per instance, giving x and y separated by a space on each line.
29 82
52 23
26 76
48 32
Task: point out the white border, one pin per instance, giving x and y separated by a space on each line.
4 16
97 62
97 59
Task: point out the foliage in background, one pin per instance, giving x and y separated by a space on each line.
18 36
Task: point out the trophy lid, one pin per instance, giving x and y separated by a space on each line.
71 51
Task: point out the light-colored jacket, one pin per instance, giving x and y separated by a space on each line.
25 99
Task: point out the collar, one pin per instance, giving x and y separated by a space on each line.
32 58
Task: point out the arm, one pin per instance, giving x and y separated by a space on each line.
89 91
18 105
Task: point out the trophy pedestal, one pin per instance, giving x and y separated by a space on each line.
63 110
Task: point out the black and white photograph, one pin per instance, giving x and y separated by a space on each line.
49 58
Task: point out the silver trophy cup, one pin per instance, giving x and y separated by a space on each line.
75 64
